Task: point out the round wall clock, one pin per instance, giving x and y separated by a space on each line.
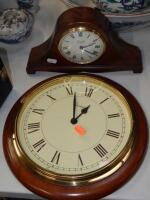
84 41
75 136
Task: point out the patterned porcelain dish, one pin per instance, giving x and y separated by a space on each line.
121 7
122 20
113 7
15 25
130 23
31 5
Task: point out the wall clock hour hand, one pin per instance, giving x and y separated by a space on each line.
83 111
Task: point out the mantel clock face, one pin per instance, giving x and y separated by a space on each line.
74 132
82 46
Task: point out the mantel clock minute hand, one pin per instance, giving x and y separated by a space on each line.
83 111
88 45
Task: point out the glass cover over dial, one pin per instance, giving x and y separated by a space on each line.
80 45
74 126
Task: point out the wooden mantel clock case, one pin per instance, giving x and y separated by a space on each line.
83 40
75 137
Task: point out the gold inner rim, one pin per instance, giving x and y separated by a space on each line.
74 180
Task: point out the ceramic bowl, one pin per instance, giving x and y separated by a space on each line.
122 20
15 25
31 5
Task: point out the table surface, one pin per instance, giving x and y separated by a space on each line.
138 84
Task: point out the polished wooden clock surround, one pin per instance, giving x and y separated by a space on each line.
118 55
45 188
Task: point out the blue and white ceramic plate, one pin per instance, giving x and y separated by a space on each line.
122 19
123 7
30 5
15 25
115 7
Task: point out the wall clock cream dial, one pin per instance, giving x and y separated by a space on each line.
80 45
45 126
72 130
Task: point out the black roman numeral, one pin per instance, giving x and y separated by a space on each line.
88 92
114 115
97 46
68 52
80 161
100 150
95 53
33 127
71 35
113 133
56 157
38 111
69 90
74 57
39 145
82 58
52 98
66 47
103 101
80 34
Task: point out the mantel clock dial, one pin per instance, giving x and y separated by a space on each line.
84 41
77 136
82 46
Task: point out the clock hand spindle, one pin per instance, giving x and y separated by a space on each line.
83 111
